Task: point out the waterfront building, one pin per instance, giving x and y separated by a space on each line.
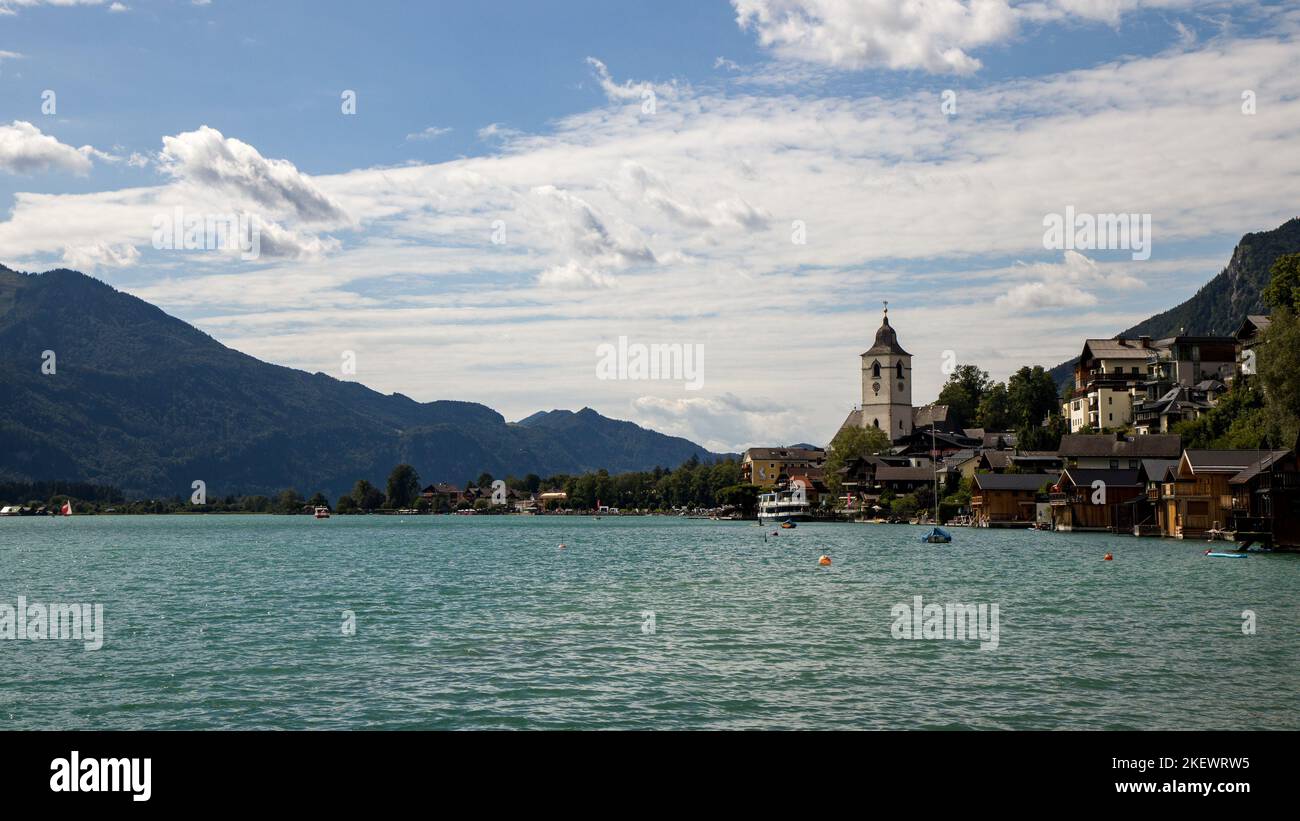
1266 501
1198 496
1006 499
1094 499
765 467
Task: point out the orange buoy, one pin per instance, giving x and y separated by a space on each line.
1108 558
824 561
561 545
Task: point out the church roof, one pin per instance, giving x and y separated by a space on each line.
886 341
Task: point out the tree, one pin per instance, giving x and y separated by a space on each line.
1042 437
288 501
403 487
484 479
994 411
1031 397
1283 289
318 500
345 504
1279 374
366 495
904 507
849 445
963 392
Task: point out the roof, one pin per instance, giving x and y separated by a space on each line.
784 454
1084 477
998 439
886 341
1026 455
1154 470
927 415
892 473
1255 468
1011 481
1225 461
1150 446
997 458
441 487
1119 348
1253 323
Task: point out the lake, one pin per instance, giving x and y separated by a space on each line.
484 622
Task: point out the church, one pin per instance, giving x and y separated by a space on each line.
887 390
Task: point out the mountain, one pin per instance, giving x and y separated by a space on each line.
148 403
1219 307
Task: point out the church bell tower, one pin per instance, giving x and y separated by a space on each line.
887 383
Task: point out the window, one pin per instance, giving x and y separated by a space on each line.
875 371
1114 464
899 369
1132 464
875 422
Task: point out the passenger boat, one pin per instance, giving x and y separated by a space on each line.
322 513
783 506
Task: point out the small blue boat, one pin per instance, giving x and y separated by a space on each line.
937 535
1214 555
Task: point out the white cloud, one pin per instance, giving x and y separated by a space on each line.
936 36
1033 296
724 423
25 150
933 35
430 133
208 158
623 92
593 247
118 8
91 257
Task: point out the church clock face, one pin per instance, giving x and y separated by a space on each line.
875 386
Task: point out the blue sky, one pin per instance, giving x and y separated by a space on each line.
671 225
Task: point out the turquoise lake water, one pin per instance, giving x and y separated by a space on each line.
483 622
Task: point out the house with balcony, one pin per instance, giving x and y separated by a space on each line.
1153 474
1198 496
1094 499
1109 372
1266 501
1179 404
764 467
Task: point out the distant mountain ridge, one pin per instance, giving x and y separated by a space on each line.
146 402
1219 307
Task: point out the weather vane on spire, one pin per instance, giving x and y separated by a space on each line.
886 307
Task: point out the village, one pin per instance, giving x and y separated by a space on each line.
1119 469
